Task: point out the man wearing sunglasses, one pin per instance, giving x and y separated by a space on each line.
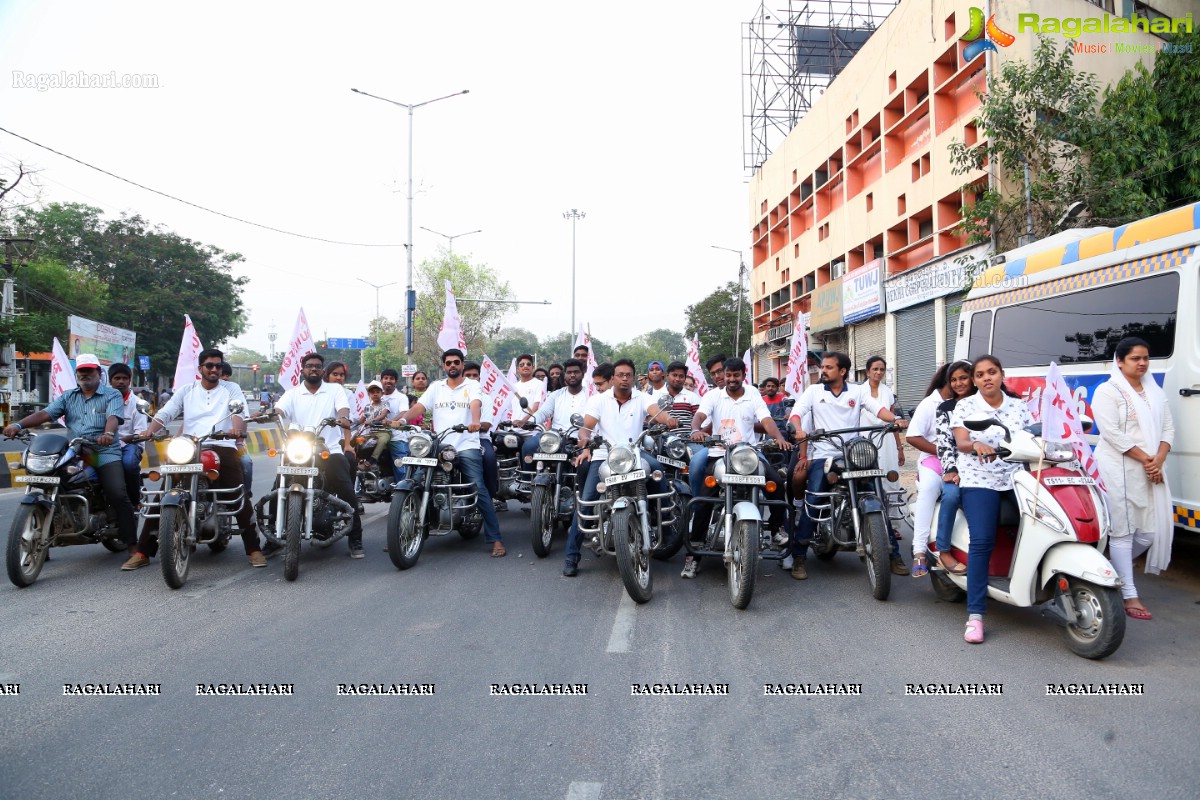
459 401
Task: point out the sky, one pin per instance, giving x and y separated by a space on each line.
629 112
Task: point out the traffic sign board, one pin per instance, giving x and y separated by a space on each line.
143 362
335 343
408 370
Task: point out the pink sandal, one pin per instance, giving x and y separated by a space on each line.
974 632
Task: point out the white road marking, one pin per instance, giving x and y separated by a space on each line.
621 638
581 790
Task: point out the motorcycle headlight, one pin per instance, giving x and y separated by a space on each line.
1058 451
620 460
648 443
420 445
676 448
299 450
511 441
181 450
550 443
39 465
744 460
862 454
448 454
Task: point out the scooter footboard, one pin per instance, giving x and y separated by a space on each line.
1078 560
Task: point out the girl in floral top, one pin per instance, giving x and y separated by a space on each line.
961 386
984 478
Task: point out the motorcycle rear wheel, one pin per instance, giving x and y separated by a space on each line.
405 540
1102 612
878 554
541 518
633 564
294 527
174 553
743 566
25 555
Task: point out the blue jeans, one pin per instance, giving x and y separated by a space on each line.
529 446
491 471
471 464
131 461
248 475
398 449
982 509
951 500
804 524
697 469
589 494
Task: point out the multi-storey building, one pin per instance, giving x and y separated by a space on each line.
854 218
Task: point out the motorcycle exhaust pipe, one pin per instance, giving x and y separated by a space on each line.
335 502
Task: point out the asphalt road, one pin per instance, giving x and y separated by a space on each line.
463 621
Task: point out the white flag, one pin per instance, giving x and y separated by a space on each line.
797 374
62 377
301 345
582 339
748 357
187 366
360 399
1060 421
451 334
693 365
496 389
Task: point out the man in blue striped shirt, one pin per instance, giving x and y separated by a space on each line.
95 412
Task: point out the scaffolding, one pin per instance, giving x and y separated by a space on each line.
790 56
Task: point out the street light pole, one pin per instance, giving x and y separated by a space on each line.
450 238
737 331
410 301
574 215
377 287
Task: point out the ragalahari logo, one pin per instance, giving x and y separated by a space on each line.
991 35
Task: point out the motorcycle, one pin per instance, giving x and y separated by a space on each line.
515 483
189 509
434 500
1052 531
373 482
737 534
851 514
553 499
299 508
63 504
628 520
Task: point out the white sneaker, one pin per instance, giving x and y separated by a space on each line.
787 562
690 567
781 538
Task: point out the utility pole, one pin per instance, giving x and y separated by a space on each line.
574 215
377 287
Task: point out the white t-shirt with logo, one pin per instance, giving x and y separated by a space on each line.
618 423
733 420
452 406
820 408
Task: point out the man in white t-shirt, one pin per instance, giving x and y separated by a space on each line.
559 407
529 387
832 404
307 405
491 470
458 401
619 417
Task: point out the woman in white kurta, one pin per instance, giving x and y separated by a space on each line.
1136 432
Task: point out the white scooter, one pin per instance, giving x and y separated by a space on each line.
1049 546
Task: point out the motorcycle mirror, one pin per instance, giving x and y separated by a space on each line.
577 420
666 402
236 406
142 406
1087 424
979 423
524 403
791 401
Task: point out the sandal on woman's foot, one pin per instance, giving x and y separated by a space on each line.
1138 613
919 570
974 632
498 550
955 568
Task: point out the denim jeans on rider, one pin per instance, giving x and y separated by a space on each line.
982 510
529 446
697 469
589 494
248 474
398 448
471 464
804 523
131 462
951 500
491 472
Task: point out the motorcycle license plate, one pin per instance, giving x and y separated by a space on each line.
175 469
750 480
636 475
47 479
864 473
551 456
409 461
1069 481
670 462
306 472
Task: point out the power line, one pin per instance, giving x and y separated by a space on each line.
190 203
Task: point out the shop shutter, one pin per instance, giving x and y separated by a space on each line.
870 339
915 354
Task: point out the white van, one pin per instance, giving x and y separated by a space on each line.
1072 297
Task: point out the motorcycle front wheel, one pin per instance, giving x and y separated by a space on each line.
174 553
404 538
294 527
1100 626
633 564
878 554
743 565
26 555
541 518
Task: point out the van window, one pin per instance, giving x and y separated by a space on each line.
1086 326
981 334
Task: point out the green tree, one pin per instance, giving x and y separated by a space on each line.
510 343
481 321
714 319
661 344
48 291
388 351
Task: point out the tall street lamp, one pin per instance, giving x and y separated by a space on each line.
737 331
377 287
410 302
574 215
450 238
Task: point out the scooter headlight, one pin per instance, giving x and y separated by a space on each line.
181 450
620 460
40 465
299 450
1058 452
550 443
420 445
744 460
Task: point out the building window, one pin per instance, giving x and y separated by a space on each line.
950 28
901 205
891 83
870 201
